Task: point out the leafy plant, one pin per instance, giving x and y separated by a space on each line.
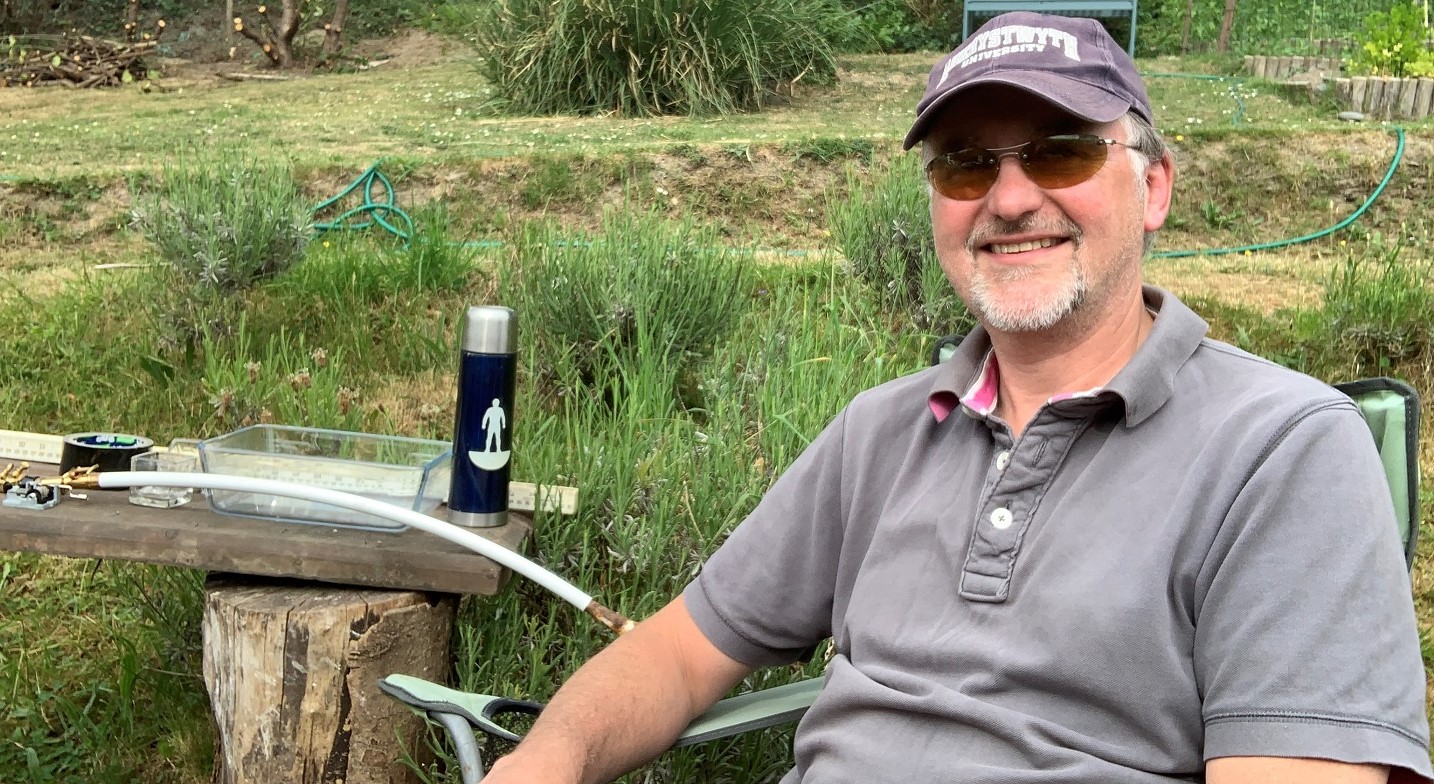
651 57
1393 43
903 26
1218 217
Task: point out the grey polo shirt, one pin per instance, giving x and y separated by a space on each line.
1198 560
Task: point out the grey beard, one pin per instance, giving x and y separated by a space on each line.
1044 316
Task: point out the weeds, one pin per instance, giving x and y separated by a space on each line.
1378 314
346 270
553 179
286 382
643 291
831 148
883 228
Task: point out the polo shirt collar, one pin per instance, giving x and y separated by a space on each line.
1143 385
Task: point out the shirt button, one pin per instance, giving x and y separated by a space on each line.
1003 460
1001 518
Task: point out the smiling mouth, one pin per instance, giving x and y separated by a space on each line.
1022 247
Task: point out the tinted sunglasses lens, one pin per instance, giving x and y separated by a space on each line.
1063 162
963 176
1055 162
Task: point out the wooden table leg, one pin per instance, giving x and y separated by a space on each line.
291 670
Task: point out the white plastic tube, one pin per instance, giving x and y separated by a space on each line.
562 588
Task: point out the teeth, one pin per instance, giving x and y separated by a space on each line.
1024 246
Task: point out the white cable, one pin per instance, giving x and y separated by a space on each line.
505 557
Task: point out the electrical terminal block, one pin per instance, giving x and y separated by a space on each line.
23 491
29 493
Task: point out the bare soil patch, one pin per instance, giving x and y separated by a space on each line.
210 54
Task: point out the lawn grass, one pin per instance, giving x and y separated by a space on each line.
442 113
97 676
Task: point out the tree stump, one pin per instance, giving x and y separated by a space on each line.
292 673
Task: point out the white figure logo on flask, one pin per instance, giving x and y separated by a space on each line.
493 457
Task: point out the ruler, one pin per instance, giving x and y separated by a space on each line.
32 447
523 497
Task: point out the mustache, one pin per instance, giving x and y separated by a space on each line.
984 233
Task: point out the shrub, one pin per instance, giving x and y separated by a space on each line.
644 294
883 227
651 57
903 26
221 223
1393 44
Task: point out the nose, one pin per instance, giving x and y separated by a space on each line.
1013 194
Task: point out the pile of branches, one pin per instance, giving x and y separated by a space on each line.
73 59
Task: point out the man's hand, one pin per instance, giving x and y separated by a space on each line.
1289 770
625 706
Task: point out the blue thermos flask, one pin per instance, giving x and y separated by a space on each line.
483 426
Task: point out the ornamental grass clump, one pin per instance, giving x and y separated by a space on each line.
653 57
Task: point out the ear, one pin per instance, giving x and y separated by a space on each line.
1159 184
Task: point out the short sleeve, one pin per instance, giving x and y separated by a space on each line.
765 596
1306 643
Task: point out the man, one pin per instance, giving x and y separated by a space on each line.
1094 547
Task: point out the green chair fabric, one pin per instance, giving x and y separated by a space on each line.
1391 408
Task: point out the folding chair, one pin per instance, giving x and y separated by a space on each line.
1389 406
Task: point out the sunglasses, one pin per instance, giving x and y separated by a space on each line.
1053 162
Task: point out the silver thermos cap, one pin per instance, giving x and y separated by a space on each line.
490 329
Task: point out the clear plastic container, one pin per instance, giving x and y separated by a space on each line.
409 472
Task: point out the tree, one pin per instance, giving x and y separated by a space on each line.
1185 31
1226 25
275 37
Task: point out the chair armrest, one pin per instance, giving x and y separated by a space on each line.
732 716
478 709
752 711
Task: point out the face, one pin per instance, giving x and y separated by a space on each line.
1025 258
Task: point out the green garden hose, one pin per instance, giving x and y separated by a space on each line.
385 207
1389 175
370 212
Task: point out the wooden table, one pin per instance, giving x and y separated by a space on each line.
106 525
291 668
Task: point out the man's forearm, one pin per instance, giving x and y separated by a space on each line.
625 706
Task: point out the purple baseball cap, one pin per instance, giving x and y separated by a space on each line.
1073 63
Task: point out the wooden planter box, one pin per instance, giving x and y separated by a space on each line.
1379 97
1384 97
1277 68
